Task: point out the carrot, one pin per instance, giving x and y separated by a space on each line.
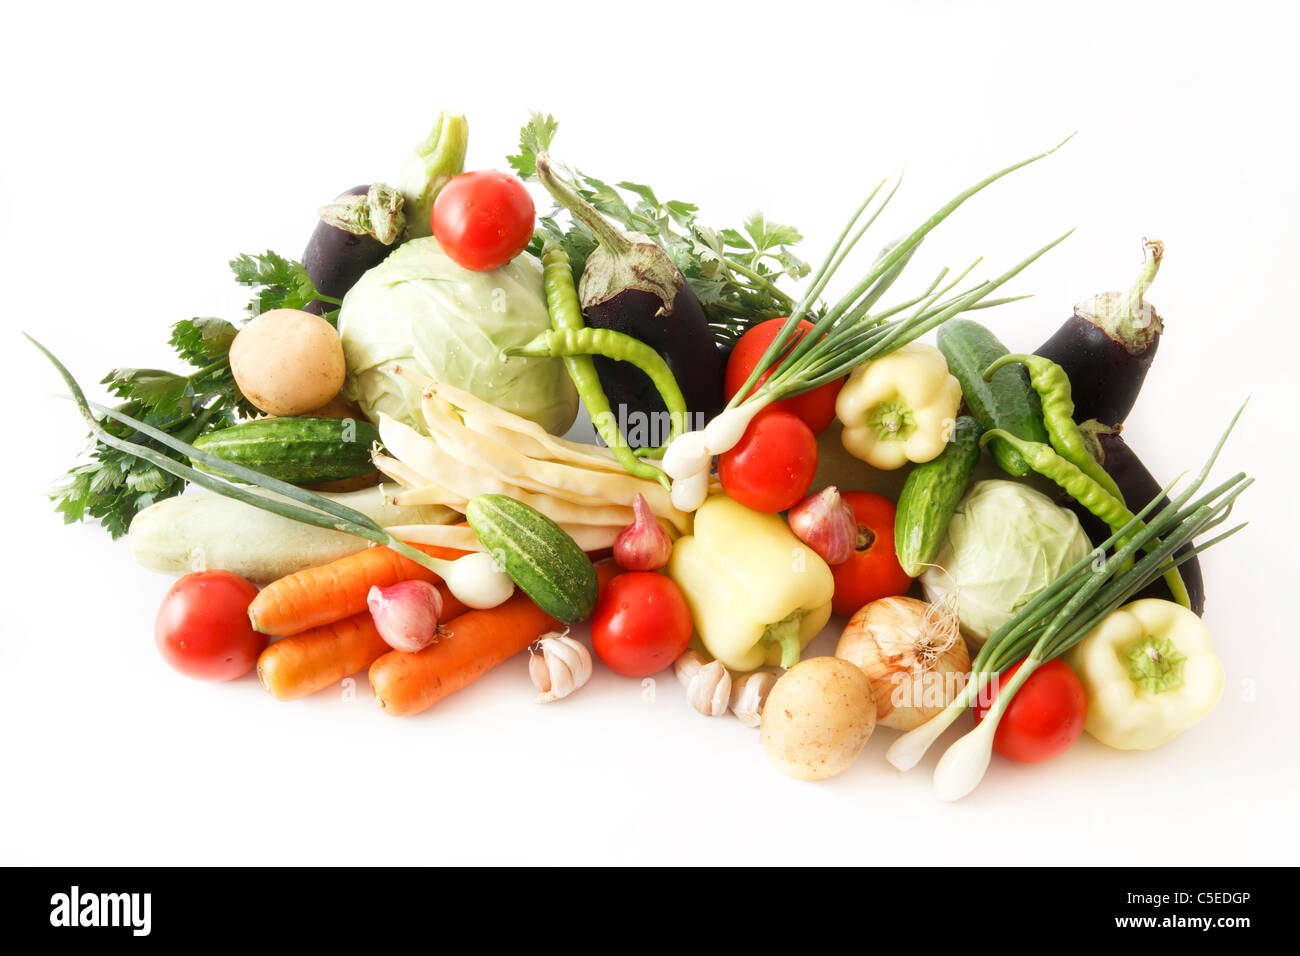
478 641
296 666
306 599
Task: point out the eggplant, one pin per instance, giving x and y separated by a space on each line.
631 285
1106 347
337 257
1139 487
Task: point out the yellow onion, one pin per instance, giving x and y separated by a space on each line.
913 654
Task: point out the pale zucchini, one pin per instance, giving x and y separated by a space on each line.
200 530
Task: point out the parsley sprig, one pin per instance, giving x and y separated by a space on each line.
735 273
112 486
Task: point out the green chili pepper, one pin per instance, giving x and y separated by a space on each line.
569 343
1083 489
566 315
1052 384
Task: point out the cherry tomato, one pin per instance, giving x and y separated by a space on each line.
483 219
1045 717
773 464
202 629
873 572
641 624
816 408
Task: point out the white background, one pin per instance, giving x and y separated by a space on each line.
144 147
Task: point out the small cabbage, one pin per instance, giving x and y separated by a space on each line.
1006 542
419 309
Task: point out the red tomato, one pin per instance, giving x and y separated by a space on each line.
772 465
202 629
816 408
641 624
1044 718
873 572
483 219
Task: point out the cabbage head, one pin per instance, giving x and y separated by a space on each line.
419 309
1005 543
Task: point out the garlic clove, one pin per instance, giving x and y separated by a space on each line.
709 691
643 545
826 523
559 666
406 614
749 694
688 665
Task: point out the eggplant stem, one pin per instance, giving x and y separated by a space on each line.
608 237
1155 250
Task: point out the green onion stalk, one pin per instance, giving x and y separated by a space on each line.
1068 610
848 334
474 579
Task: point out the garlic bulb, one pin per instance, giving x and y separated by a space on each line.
913 654
749 694
558 666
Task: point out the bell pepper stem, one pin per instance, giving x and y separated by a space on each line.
785 632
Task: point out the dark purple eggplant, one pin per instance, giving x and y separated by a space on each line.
1139 487
336 258
1108 345
631 285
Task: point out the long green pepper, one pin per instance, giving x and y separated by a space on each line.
1085 490
566 316
1052 384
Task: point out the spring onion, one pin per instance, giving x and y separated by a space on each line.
848 334
1065 612
476 583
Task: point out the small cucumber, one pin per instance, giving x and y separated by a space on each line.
301 451
931 494
1008 402
538 554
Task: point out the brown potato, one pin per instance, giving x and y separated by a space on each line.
288 362
817 718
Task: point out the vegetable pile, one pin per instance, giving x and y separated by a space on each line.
370 472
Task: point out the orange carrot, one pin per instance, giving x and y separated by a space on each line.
296 666
478 641
318 596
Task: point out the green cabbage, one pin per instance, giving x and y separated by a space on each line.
419 309
1006 542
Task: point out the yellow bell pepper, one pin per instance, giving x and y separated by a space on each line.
899 408
757 593
1149 672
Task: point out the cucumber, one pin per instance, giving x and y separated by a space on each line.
538 554
301 451
1008 401
930 497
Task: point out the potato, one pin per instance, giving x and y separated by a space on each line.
288 362
817 718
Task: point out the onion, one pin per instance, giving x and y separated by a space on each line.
477 581
913 654
689 493
686 455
